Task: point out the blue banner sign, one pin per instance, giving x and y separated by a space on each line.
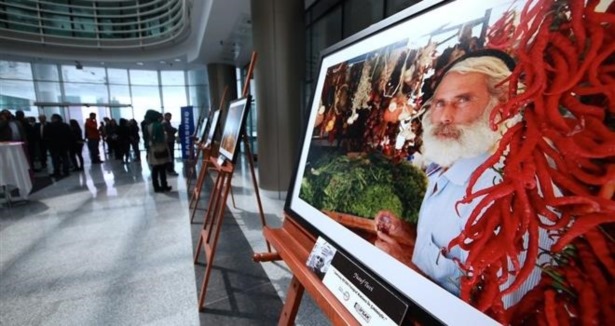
186 130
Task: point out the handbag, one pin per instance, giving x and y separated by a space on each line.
160 154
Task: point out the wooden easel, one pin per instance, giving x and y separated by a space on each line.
212 224
208 152
216 207
293 245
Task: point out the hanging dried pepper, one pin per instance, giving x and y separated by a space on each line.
558 173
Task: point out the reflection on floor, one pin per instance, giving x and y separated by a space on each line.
101 248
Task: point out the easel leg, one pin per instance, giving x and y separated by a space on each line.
211 243
196 192
291 305
255 183
210 215
192 170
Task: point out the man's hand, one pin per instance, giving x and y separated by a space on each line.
395 237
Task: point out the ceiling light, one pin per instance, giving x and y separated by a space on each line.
162 62
178 60
139 63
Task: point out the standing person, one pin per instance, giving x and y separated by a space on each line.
123 140
158 154
32 142
5 129
28 138
92 135
39 138
76 147
111 138
59 137
103 136
170 132
133 128
457 140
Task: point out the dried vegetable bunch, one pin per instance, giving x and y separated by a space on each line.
558 174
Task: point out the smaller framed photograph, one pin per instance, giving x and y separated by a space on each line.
237 112
213 127
201 129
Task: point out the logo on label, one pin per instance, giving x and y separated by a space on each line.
362 312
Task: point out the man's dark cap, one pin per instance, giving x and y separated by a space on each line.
506 59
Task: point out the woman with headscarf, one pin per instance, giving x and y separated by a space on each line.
158 154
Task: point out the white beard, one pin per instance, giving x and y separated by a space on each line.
474 139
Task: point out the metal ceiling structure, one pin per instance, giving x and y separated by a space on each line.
146 34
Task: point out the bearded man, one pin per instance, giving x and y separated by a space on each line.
457 139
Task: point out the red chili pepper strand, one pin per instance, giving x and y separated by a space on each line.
498 311
499 34
592 90
530 259
466 285
505 272
576 19
553 115
589 305
572 104
532 136
478 245
597 62
526 212
565 56
589 178
524 32
486 224
550 311
495 188
565 182
559 70
509 226
553 154
568 146
563 317
484 203
580 227
600 248
540 206
495 249
596 41
490 289
590 265
542 173
493 159
589 166
584 140
574 200
599 17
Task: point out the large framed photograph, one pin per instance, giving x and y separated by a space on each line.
402 116
233 126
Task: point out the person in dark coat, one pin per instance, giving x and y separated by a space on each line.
59 137
123 141
133 126
158 153
76 146
39 139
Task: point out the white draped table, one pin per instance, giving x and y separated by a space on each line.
14 168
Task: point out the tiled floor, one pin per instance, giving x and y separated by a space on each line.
101 248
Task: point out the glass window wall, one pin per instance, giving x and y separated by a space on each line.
108 91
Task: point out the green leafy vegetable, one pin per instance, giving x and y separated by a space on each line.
363 185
